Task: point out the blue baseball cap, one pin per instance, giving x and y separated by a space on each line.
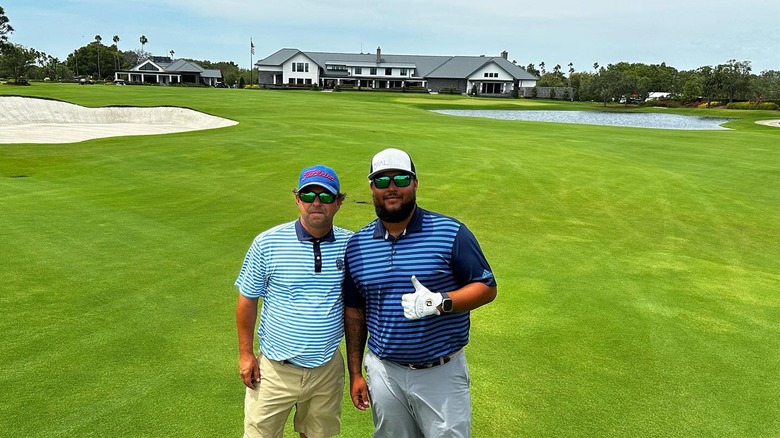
319 175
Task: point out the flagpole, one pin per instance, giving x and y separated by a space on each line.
251 54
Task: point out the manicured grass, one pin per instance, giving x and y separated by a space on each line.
638 268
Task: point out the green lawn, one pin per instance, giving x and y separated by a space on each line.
638 269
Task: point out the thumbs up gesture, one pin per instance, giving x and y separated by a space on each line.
421 303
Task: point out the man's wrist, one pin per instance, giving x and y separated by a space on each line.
446 303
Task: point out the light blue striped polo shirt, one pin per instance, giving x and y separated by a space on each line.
443 254
302 316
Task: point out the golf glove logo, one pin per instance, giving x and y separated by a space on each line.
421 303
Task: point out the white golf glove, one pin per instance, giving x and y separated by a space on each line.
421 303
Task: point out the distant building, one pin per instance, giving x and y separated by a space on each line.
164 70
657 95
485 74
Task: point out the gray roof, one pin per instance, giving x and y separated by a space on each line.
465 66
180 66
278 58
427 65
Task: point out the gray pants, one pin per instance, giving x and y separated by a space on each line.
408 403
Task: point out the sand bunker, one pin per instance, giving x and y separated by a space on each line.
30 120
775 123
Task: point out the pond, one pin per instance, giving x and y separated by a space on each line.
635 120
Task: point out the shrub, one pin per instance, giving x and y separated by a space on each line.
703 105
17 81
752 106
534 92
450 91
552 93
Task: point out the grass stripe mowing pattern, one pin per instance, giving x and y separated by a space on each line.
638 268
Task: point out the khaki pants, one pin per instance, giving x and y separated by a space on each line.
316 394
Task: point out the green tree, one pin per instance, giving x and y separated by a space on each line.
16 59
734 79
581 82
117 64
84 60
98 40
609 83
709 82
766 86
5 27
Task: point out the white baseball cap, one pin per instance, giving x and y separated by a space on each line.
391 159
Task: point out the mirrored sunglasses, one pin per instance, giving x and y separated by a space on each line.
325 197
383 182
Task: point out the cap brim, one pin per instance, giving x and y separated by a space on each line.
327 187
389 169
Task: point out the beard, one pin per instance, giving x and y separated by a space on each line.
394 216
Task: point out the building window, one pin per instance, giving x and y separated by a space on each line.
388 72
403 72
300 66
491 75
358 70
491 88
373 70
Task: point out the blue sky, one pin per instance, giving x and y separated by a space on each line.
685 34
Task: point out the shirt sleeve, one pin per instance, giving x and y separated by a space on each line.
252 279
468 262
352 296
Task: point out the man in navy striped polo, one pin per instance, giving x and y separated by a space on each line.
412 276
297 268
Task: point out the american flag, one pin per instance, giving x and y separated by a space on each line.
252 46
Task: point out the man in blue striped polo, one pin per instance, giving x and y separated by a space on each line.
412 276
297 268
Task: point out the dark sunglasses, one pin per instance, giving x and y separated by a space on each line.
383 182
325 197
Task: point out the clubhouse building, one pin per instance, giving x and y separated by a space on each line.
163 70
483 75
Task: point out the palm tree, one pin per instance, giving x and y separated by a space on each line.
143 41
116 56
172 52
98 39
5 28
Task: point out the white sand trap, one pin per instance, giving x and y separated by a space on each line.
775 123
30 120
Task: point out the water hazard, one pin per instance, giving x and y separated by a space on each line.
634 120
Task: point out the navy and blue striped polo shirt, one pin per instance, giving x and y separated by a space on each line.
443 254
302 317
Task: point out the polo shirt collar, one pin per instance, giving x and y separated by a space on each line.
305 235
414 225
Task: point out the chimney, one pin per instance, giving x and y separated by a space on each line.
504 54
378 55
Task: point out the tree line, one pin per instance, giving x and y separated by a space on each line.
94 60
729 81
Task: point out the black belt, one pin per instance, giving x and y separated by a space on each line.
421 366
